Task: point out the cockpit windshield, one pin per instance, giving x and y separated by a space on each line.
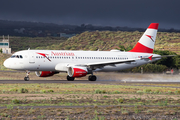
16 56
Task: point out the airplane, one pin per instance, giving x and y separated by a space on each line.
76 64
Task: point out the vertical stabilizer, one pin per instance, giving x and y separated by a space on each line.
146 42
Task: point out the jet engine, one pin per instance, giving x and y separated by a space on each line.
76 71
45 73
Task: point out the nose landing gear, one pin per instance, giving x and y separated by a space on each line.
26 78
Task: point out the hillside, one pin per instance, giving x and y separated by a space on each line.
3 57
23 43
107 40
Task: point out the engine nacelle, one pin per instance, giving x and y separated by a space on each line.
45 73
76 71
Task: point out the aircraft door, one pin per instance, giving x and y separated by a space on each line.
31 57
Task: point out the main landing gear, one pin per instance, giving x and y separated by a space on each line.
92 78
26 78
70 78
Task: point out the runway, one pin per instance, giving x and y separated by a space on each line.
14 77
131 83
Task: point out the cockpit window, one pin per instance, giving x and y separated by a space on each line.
13 56
17 56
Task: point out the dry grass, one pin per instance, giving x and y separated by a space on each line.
118 93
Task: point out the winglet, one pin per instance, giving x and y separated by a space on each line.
150 57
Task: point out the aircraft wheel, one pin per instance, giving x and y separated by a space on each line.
26 78
92 78
70 78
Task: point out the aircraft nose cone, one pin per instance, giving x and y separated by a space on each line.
6 63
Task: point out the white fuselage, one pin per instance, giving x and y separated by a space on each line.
32 61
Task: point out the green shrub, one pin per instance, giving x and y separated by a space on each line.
97 91
100 91
157 92
120 100
23 90
4 115
43 91
147 90
116 92
103 92
13 90
170 92
15 101
50 91
139 92
177 92
105 96
138 98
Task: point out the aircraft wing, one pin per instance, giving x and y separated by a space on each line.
94 64
101 64
64 66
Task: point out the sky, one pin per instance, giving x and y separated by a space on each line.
130 13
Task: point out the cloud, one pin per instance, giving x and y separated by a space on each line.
131 13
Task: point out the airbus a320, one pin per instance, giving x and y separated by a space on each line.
46 63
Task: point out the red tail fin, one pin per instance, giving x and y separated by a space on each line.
146 42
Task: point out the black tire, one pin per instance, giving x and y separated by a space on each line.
26 78
70 78
92 78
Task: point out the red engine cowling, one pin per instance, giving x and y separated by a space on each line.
77 71
44 73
